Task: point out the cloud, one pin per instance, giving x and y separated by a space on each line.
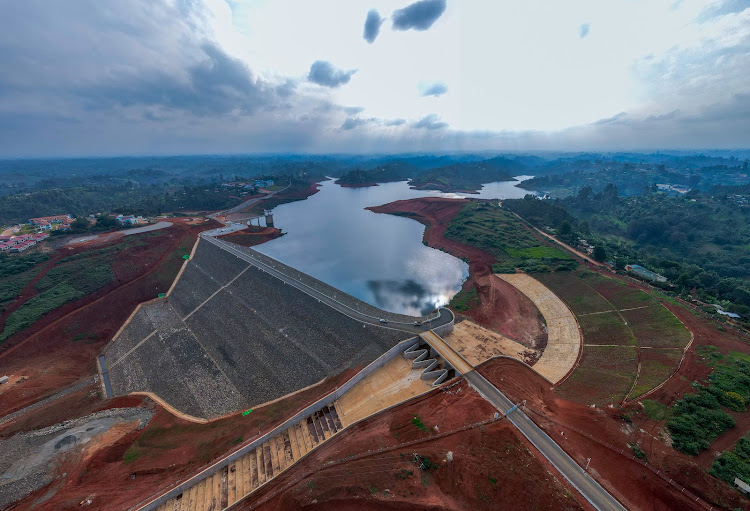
583 30
325 74
372 26
354 110
419 15
353 122
430 122
433 89
356 122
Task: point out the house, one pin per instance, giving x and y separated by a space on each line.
55 219
742 485
126 220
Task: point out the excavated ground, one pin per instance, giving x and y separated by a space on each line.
372 465
61 348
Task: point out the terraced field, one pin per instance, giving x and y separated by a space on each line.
632 343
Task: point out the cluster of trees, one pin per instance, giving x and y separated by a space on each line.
453 177
128 197
698 241
696 419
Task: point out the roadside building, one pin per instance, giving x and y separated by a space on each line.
644 273
126 219
55 219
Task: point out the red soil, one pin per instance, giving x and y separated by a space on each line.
370 465
605 437
171 449
61 347
252 236
501 306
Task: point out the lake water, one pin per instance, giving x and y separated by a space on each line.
377 258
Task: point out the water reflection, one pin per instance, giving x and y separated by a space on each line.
377 258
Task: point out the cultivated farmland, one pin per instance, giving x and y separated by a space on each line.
611 314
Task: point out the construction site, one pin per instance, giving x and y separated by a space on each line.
251 385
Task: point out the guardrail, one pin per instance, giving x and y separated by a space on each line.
355 305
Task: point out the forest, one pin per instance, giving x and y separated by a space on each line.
700 241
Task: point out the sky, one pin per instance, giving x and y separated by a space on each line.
96 78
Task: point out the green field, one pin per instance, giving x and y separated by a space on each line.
618 293
499 232
656 366
656 326
604 376
611 313
605 328
72 278
572 289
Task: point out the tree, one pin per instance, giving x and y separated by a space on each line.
565 229
599 253
79 225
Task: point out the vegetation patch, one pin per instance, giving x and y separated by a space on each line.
499 232
734 463
656 366
605 328
697 419
654 410
572 288
618 293
464 300
657 326
604 375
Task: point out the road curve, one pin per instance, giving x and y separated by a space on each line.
445 315
580 479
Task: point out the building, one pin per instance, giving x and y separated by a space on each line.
644 273
55 219
742 485
126 220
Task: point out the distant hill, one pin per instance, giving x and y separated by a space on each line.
468 176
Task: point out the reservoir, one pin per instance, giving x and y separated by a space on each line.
377 258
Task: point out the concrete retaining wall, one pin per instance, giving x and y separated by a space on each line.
386 357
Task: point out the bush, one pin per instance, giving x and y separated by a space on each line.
734 463
734 401
655 410
696 420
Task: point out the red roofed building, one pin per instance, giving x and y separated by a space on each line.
55 219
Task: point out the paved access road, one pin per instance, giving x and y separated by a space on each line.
583 482
445 317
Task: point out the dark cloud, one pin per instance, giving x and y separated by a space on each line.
325 74
353 122
354 110
372 26
419 15
583 30
395 122
430 122
435 89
